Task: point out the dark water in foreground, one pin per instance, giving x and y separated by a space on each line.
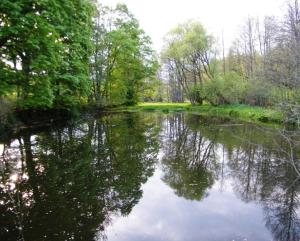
142 177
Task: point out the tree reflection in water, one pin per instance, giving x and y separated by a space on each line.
260 170
64 184
264 173
189 162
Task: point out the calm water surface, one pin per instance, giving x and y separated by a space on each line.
149 177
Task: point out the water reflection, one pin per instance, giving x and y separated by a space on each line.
189 162
67 183
263 172
260 167
63 184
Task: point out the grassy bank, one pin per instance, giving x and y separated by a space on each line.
30 118
240 112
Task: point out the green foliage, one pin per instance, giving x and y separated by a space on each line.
259 93
236 111
44 51
123 63
183 40
197 93
39 94
226 89
189 57
152 90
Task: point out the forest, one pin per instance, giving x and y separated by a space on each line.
261 67
56 55
104 137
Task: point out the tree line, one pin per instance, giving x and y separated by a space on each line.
59 55
56 54
261 66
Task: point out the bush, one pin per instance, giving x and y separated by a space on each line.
197 95
213 92
234 113
227 89
234 88
259 93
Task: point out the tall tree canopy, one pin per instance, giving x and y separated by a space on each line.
123 61
188 54
45 48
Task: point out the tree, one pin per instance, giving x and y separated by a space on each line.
189 55
123 61
44 51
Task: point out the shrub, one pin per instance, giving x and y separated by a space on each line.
197 94
259 93
227 89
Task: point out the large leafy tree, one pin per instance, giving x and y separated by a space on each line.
44 51
190 56
123 61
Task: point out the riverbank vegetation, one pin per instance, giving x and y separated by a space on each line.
45 48
57 55
260 69
254 114
61 55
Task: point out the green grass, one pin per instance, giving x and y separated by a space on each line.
240 112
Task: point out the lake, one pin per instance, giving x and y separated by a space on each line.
149 177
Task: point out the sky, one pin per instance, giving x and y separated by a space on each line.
157 17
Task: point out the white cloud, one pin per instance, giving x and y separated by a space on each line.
162 216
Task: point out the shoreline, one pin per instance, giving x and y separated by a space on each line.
252 114
17 121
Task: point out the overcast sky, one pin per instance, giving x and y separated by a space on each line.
157 17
